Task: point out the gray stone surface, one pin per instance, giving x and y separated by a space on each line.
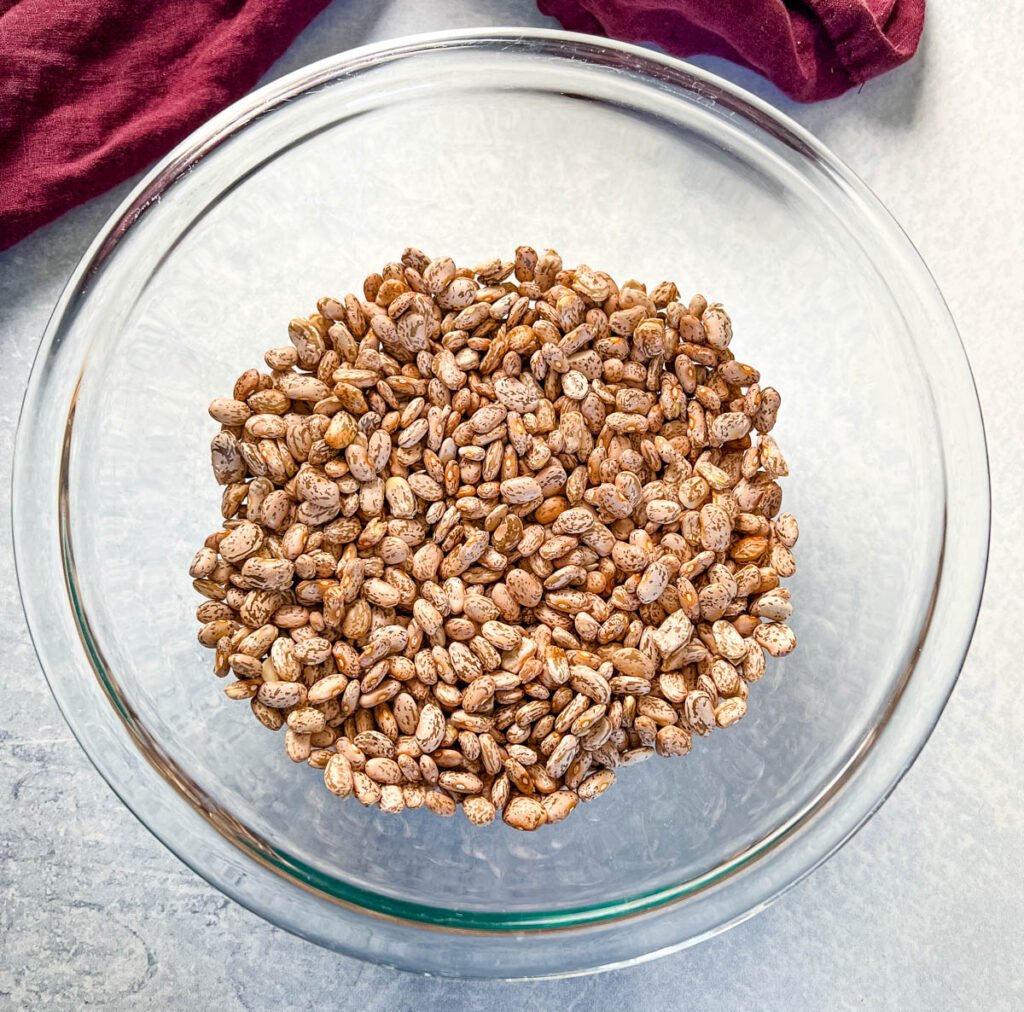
921 909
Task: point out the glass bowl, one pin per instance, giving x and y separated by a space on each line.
470 144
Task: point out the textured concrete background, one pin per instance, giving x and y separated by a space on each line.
922 909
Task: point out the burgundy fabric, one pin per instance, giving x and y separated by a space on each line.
812 49
91 91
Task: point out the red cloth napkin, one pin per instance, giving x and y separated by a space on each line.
92 91
812 49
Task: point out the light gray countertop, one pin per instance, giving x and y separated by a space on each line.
923 908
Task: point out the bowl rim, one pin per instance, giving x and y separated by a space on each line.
659 68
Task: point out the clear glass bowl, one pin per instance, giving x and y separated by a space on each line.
470 144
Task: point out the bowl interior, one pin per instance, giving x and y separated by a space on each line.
471 153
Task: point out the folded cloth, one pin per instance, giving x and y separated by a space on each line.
91 91
812 49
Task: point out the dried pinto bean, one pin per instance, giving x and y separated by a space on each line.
491 533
